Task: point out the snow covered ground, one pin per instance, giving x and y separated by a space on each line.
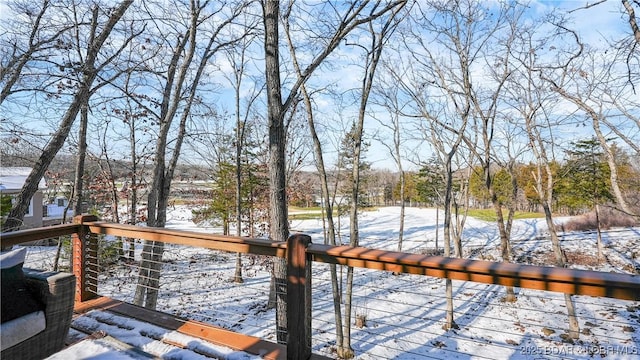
403 314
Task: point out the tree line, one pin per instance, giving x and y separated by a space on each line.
256 90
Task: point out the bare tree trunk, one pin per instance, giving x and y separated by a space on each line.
547 201
374 53
79 174
544 189
402 209
240 140
82 153
237 277
389 93
505 245
278 225
328 207
437 226
448 203
133 205
574 326
403 180
599 234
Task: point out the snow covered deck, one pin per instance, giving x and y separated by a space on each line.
138 333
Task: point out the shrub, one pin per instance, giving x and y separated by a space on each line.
609 218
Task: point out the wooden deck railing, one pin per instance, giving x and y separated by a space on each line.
301 253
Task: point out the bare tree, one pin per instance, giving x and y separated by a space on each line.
20 52
527 95
486 103
327 203
178 98
237 57
90 68
388 96
135 121
373 53
348 17
589 81
443 44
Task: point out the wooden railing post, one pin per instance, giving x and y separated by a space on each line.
298 298
85 259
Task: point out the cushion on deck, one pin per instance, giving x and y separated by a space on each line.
18 330
16 299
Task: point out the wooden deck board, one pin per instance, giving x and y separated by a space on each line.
207 332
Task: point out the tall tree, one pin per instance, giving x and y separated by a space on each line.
445 42
589 179
348 17
100 30
178 96
327 203
497 37
356 146
388 97
528 96
237 57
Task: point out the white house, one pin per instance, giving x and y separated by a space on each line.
11 181
54 211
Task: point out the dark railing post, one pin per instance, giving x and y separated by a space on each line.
85 259
298 298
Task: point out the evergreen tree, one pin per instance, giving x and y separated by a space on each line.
585 178
411 193
430 184
501 183
589 176
345 165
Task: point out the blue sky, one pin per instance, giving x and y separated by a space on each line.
596 26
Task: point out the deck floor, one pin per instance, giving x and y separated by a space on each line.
130 327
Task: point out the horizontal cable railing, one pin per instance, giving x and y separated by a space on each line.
199 284
192 284
48 252
412 283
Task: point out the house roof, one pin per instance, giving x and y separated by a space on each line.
13 178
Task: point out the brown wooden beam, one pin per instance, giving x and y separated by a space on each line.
570 281
192 238
24 236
